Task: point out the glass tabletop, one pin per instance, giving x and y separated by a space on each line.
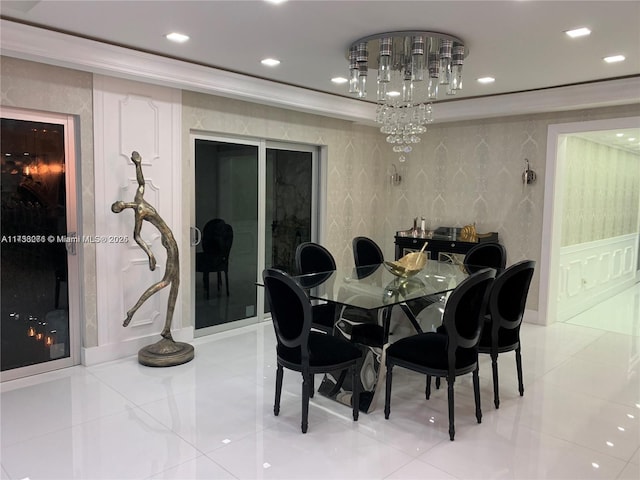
373 287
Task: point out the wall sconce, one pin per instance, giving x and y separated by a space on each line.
394 176
528 176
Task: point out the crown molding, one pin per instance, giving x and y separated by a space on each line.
55 48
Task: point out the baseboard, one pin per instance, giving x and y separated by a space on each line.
107 353
531 316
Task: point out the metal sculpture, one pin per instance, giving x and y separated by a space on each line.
166 352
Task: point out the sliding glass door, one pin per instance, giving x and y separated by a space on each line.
39 293
254 204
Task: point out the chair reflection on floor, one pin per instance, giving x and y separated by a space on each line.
451 354
302 350
217 239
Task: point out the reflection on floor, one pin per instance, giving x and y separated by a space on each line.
212 418
220 308
32 308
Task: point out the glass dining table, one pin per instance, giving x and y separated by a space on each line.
364 299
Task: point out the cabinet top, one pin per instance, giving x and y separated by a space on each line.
445 234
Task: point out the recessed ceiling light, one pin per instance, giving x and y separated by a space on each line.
339 80
486 80
619 134
632 139
275 2
578 32
270 62
393 93
177 37
614 58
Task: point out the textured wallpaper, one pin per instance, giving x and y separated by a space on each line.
601 193
42 87
461 173
466 172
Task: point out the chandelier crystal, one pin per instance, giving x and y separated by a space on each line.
413 67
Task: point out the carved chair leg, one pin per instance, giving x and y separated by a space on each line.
519 367
279 375
387 396
452 428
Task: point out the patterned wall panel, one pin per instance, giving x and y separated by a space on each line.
601 194
53 89
487 156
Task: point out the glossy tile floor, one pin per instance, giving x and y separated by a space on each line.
212 418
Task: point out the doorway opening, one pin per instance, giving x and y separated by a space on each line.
599 268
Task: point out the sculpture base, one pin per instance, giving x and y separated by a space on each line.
165 353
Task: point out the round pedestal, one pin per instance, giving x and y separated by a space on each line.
165 353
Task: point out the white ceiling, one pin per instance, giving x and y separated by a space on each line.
520 43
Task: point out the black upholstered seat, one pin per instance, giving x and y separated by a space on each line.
501 332
452 353
299 348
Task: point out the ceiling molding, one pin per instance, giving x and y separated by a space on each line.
55 48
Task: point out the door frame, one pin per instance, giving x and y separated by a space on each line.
553 204
74 261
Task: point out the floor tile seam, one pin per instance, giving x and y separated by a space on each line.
113 389
367 431
416 459
548 432
62 429
39 379
638 452
592 396
239 438
584 447
191 460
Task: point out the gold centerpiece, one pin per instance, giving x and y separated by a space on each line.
408 265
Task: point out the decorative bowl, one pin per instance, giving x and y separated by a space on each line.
408 265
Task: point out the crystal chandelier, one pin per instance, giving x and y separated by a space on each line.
412 67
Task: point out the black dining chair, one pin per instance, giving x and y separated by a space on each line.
366 252
485 254
367 331
501 332
217 239
312 257
302 350
451 354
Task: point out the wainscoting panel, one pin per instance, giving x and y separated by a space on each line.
132 116
591 272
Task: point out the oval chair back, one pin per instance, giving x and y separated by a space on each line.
366 252
312 257
485 254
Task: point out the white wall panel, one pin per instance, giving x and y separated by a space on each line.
132 116
593 271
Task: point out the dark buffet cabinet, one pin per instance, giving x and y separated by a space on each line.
443 244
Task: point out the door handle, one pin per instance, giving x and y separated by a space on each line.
196 236
72 239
